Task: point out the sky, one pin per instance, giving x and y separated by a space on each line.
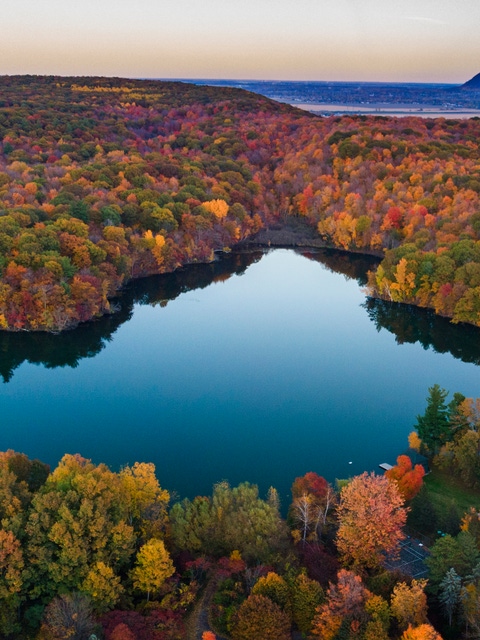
349 40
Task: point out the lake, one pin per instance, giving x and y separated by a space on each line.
261 366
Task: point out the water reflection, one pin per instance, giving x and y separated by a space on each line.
408 324
86 341
411 324
351 265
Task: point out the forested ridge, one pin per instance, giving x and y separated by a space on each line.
106 179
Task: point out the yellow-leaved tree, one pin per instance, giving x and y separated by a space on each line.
414 441
218 207
409 603
153 567
103 586
145 500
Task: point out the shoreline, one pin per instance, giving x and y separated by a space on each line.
294 234
302 237
386 110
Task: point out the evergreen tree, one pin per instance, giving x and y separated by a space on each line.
434 426
456 417
449 595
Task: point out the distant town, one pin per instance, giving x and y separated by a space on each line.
367 97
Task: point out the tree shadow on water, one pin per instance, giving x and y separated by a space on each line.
67 349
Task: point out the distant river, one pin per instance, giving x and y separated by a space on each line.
388 110
258 367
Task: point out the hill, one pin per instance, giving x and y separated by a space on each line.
473 83
103 180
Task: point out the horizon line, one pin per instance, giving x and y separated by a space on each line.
226 79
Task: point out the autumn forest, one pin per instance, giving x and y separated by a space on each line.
104 180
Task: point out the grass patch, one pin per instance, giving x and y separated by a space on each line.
443 488
441 505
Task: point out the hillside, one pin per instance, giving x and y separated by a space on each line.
473 83
104 179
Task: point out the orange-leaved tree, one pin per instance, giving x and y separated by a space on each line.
345 605
409 478
423 632
371 517
260 618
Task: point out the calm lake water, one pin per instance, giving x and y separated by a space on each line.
259 367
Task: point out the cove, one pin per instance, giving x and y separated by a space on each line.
260 366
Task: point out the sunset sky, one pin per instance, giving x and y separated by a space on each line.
384 40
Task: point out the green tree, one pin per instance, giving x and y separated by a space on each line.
378 610
456 416
467 461
422 514
434 426
192 524
460 553
232 519
274 587
306 596
449 594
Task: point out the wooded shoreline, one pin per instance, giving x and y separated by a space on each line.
103 180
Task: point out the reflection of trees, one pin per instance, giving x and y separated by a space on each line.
407 323
65 349
69 347
352 265
412 324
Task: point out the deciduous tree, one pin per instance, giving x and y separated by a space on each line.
274 587
75 521
423 632
103 587
233 519
306 596
371 516
344 606
409 603
69 616
260 618
409 479
153 567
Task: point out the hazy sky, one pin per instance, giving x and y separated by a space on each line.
396 40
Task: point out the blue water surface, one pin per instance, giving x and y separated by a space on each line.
262 375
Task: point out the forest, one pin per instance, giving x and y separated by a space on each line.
86 552
103 180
